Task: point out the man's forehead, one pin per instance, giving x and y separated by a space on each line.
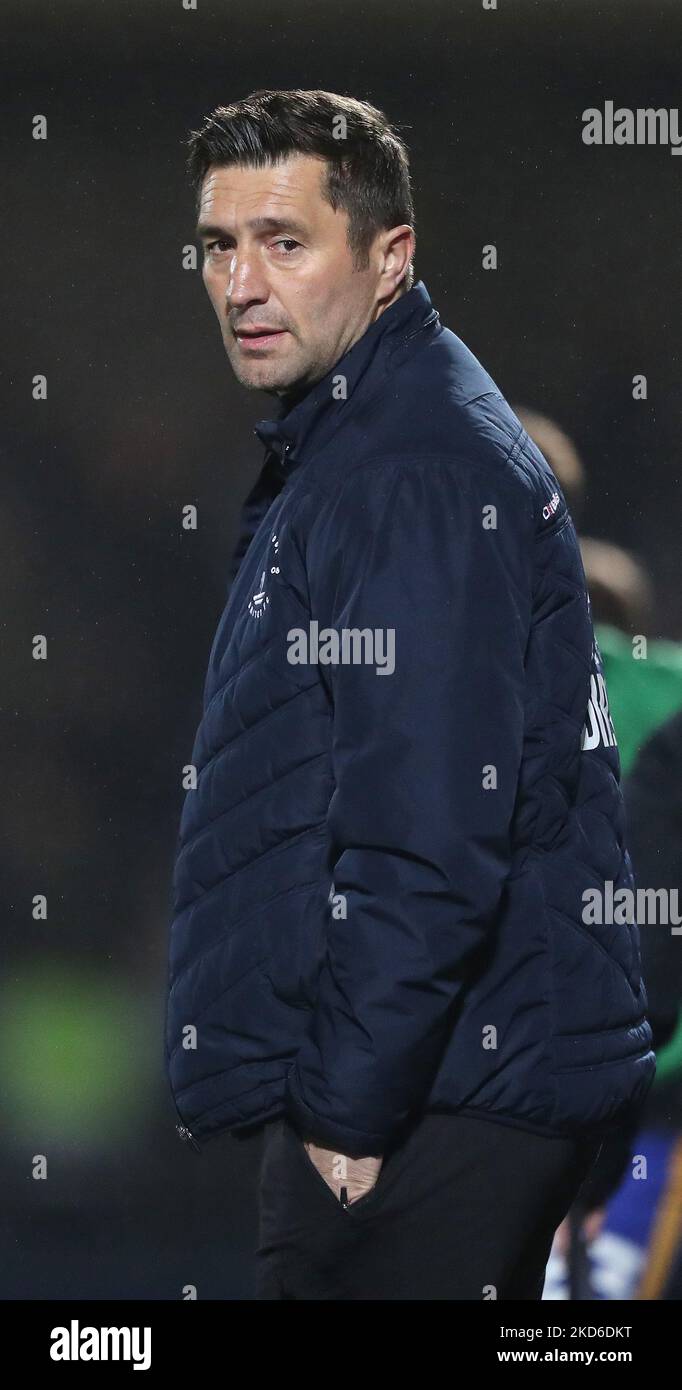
290 182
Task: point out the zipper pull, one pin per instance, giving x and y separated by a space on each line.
344 1196
183 1130
187 1136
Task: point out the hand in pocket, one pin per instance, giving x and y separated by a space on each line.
356 1175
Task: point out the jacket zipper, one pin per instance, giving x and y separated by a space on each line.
185 1132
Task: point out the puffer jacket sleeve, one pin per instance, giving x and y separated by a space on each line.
435 559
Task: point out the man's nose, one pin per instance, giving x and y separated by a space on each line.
246 282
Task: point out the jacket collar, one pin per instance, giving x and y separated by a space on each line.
319 409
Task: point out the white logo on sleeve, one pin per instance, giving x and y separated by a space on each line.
550 508
259 601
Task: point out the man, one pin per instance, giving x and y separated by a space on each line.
406 774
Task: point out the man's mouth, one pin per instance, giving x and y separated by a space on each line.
261 336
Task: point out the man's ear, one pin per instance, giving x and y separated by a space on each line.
398 249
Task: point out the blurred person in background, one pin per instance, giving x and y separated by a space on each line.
653 794
644 682
637 1222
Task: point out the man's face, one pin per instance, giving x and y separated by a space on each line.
279 273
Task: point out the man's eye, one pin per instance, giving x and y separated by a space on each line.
218 246
287 241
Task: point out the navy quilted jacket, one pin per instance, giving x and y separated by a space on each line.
406 780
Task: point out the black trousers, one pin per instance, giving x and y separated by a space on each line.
463 1208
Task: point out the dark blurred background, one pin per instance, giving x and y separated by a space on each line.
142 417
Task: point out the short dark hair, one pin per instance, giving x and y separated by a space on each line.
368 172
